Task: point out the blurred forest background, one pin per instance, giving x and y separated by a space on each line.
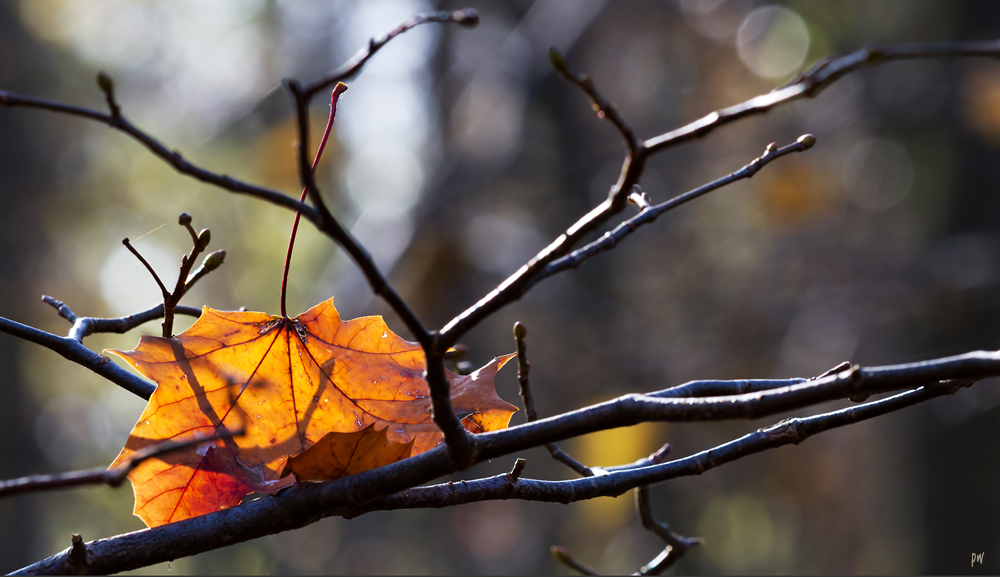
457 155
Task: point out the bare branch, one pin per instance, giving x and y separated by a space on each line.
613 484
73 350
562 555
603 107
103 476
611 238
149 267
174 158
467 17
821 75
514 287
185 281
86 326
551 260
677 545
388 488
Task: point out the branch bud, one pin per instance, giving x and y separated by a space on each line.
561 555
558 60
468 17
807 141
214 260
204 237
184 219
520 331
105 83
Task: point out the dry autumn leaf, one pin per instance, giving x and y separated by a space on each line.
289 382
338 455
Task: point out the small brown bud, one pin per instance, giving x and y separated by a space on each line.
807 141
184 219
105 83
520 331
204 237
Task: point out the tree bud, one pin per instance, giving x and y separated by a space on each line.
104 81
214 260
204 237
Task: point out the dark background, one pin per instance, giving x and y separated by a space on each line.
457 155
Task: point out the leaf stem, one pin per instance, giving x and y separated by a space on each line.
337 91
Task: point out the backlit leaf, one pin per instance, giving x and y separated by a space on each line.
289 382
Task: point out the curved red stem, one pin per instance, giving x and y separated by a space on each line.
337 91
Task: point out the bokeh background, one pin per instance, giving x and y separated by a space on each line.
457 155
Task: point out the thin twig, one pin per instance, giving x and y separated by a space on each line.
611 238
113 477
562 555
554 258
149 267
602 106
677 545
174 158
199 243
523 368
184 278
467 17
819 77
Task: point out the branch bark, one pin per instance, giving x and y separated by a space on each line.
390 487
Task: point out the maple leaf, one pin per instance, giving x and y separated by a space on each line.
289 382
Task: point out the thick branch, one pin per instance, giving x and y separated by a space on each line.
305 503
791 431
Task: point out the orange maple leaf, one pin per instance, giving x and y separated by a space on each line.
289 382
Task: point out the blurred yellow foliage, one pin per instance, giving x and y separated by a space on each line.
616 447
